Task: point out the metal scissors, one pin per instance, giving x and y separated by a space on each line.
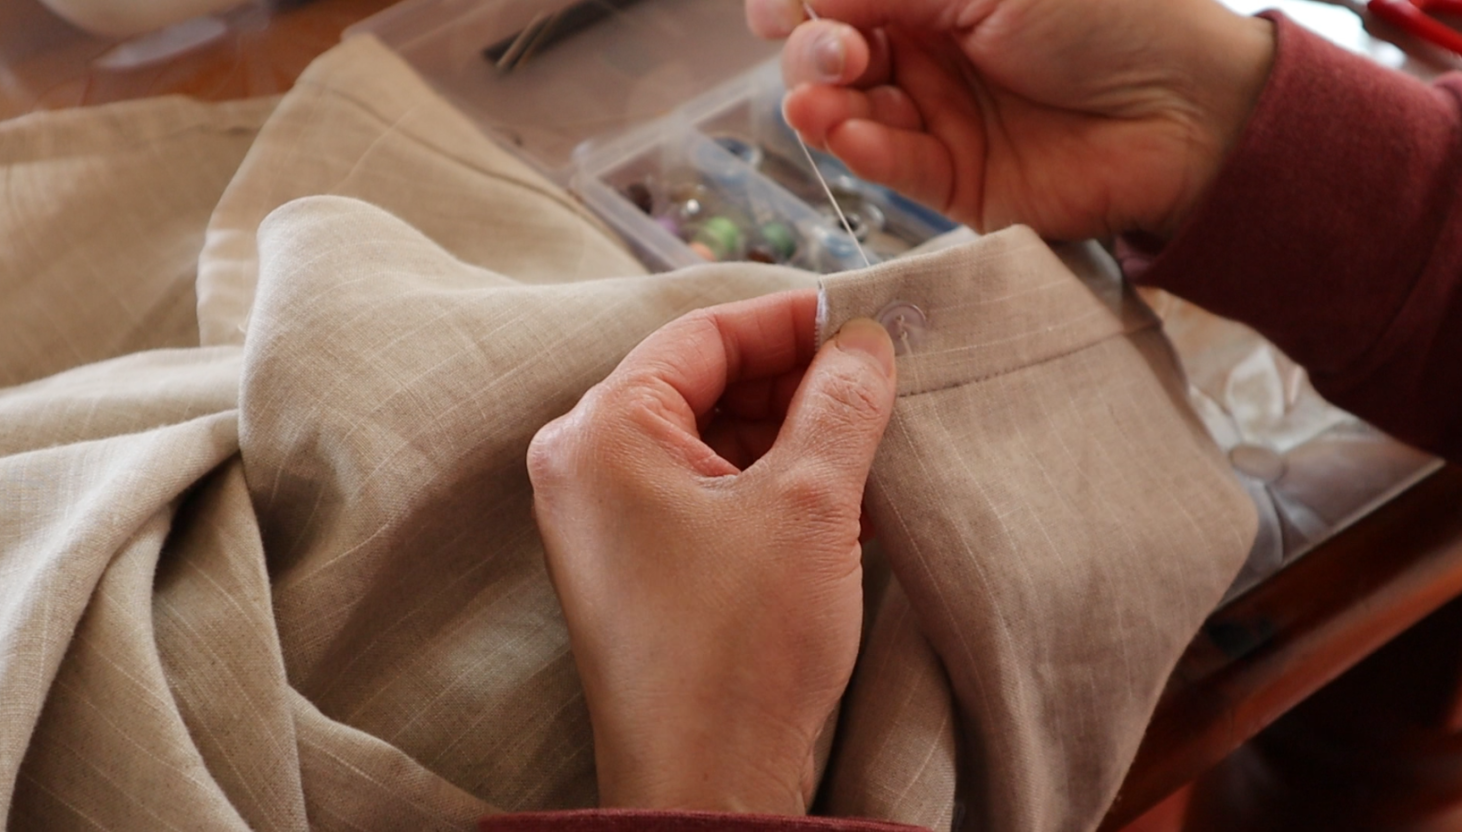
1415 18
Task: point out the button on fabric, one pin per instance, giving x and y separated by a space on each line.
906 325
1260 462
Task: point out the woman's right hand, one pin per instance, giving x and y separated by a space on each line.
1080 118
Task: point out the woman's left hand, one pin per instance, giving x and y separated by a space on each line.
700 512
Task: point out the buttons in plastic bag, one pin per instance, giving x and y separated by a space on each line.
1260 462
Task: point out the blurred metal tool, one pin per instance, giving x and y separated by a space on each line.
548 29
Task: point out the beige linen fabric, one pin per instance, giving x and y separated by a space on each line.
897 747
280 571
1060 522
103 217
391 142
295 583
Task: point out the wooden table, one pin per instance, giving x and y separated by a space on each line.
1255 660
1270 649
261 55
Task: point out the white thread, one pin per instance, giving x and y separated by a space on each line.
829 191
848 227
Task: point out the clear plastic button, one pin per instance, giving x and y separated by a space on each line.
1260 462
906 325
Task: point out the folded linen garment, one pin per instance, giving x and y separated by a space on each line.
288 576
294 584
105 210
1058 519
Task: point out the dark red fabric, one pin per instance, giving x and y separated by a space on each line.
627 820
1335 229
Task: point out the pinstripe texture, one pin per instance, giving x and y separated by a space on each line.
281 572
132 186
360 123
296 582
1059 520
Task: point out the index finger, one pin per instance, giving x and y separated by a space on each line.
700 354
775 19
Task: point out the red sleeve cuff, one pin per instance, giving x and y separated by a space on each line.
1335 229
636 820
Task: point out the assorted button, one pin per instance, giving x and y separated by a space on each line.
723 202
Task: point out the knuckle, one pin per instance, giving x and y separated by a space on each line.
811 494
627 404
576 445
848 398
549 454
702 317
557 450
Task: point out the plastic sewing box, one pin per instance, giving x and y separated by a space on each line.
662 116
673 106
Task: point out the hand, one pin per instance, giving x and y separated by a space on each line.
1080 118
700 513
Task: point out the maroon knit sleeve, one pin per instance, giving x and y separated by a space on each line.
635 820
1335 229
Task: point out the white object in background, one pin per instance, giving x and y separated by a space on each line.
127 18
162 44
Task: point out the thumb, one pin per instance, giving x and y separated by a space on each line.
837 417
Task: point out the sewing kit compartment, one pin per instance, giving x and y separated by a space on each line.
627 103
723 178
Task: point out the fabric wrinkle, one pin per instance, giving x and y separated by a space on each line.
274 563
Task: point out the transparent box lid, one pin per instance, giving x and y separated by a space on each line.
640 61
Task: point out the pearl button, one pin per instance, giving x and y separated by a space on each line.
906 325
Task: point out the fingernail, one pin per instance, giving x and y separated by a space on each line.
774 18
828 56
866 336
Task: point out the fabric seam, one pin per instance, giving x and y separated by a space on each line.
1122 333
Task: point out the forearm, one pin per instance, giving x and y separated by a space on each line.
1335 229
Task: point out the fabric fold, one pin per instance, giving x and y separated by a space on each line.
81 684
344 620
389 394
290 577
360 123
1056 514
105 209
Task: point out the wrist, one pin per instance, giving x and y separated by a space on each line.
702 768
723 728
1231 59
